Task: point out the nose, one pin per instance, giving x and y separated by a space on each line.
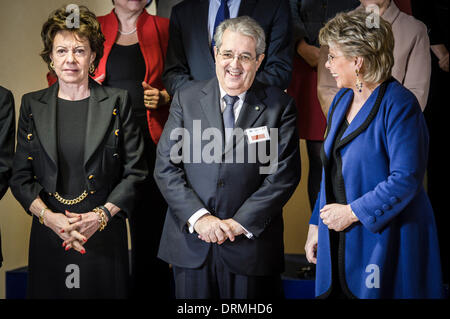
327 64
235 61
70 57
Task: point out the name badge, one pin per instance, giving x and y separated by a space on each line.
257 134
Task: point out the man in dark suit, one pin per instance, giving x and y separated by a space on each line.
7 132
223 232
189 54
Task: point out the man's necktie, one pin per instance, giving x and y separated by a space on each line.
222 14
228 115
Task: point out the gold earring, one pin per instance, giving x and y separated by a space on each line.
52 65
92 69
359 84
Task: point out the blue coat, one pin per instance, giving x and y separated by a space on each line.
392 252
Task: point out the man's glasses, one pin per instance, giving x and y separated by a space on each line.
243 58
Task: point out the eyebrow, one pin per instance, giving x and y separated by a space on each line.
248 53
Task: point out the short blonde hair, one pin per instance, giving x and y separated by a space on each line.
355 35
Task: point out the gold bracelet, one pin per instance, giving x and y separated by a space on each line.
101 218
41 215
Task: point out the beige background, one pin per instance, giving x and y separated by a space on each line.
22 70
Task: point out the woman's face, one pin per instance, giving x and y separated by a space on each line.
72 57
130 5
341 68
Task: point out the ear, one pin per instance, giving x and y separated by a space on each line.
259 61
93 56
215 53
359 61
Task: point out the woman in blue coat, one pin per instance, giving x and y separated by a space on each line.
372 232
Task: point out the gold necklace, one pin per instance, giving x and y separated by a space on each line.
70 201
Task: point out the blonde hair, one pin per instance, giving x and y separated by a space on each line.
354 35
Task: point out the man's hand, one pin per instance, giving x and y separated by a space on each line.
212 229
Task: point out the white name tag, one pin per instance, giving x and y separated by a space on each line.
257 134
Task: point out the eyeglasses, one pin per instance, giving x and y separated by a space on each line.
243 58
330 58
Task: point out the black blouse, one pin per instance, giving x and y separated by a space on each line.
71 119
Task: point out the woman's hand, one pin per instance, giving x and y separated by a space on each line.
311 244
153 98
309 53
58 222
82 228
337 217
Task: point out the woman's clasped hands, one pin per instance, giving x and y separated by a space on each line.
78 230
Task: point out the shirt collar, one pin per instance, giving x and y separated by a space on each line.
223 93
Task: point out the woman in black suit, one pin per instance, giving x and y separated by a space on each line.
77 165
7 131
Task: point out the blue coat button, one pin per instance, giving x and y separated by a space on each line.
393 200
379 212
371 219
386 207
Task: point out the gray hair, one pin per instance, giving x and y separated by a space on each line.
245 26
351 33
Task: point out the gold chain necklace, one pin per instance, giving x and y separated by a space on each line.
70 201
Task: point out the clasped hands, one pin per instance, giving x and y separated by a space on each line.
74 229
212 229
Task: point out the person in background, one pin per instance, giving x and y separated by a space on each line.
164 7
191 43
308 16
372 233
7 142
412 67
78 165
135 50
436 17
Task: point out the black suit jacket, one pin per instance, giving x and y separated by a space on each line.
189 57
113 154
7 132
228 190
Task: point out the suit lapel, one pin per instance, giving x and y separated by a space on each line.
44 114
251 110
98 119
210 104
365 115
335 121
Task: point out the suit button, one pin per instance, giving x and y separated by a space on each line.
386 207
394 200
220 183
91 176
379 212
371 219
